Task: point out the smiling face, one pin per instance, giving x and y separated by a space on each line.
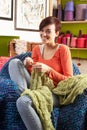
48 34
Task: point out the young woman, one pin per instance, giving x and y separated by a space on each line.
50 57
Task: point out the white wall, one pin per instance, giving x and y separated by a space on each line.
7 29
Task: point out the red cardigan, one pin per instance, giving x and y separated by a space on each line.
61 63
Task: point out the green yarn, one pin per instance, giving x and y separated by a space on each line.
41 90
42 98
69 89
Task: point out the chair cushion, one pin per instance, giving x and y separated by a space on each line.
9 116
73 116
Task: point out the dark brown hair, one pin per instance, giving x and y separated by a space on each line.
50 20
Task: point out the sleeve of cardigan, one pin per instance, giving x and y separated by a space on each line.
66 63
34 56
35 53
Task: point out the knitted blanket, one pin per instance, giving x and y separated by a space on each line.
69 89
40 92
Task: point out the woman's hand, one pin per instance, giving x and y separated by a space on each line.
40 67
28 62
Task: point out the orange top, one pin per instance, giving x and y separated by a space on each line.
61 63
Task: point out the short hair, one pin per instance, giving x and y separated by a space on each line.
50 20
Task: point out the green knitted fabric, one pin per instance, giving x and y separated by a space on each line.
69 89
42 99
40 92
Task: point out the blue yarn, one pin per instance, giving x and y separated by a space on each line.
9 116
73 116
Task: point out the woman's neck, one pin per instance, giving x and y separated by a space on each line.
49 51
51 46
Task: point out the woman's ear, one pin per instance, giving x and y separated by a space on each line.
57 33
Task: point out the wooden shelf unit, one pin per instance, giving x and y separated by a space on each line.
79 53
77 22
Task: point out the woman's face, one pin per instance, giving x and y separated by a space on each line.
48 34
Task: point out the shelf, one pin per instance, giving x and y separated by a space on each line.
78 53
85 49
65 22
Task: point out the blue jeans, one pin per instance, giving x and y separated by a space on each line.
21 77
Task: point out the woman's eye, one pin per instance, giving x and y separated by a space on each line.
48 31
